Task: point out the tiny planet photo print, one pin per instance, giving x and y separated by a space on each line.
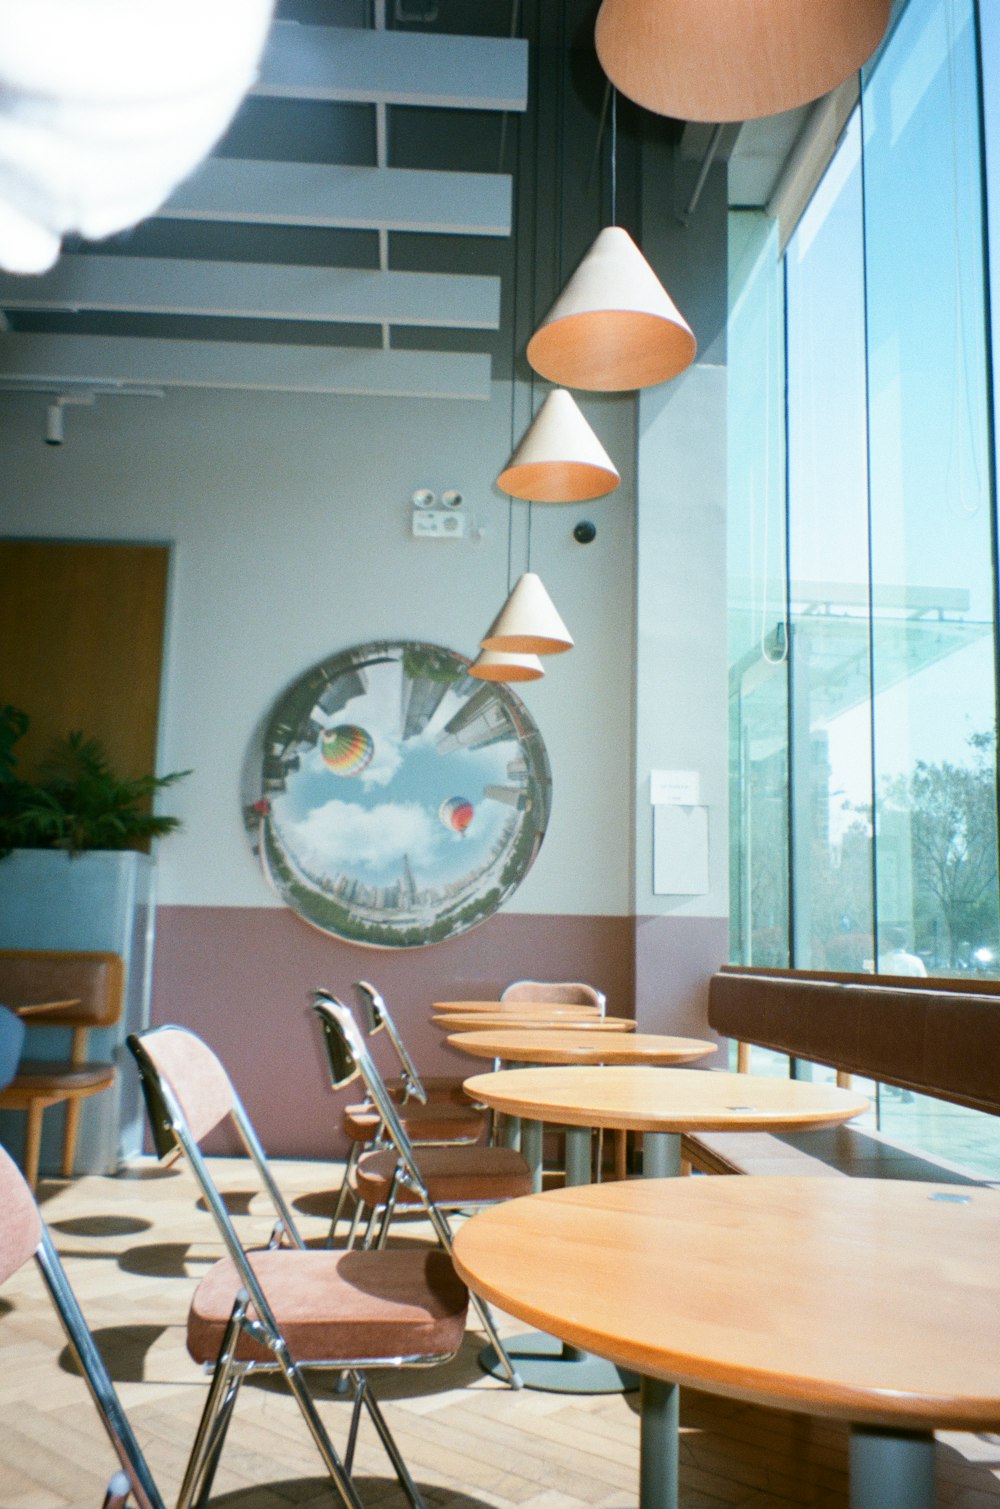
393 800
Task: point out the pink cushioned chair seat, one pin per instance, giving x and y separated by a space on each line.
453 1175
339 1305
445 1122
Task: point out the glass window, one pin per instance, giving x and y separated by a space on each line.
934 713
831 771
757 595
864 721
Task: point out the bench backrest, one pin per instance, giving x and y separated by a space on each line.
93 978
943 1042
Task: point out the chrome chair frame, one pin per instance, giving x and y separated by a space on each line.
172 1133
378 1018
348 1058
135 1477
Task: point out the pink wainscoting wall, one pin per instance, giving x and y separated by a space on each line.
675 958
240 977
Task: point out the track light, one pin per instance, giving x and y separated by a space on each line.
54 423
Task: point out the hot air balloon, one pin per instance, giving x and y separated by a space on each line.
456 812
346 749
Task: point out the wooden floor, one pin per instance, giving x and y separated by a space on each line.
135 1244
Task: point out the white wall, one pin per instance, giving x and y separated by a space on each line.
290 524
681 661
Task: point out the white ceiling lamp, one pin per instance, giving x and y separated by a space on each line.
559 459
501 665
614 327
733 60
528 623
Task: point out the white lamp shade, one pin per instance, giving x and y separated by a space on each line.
560 459
614 327
502 665
734 60
528 623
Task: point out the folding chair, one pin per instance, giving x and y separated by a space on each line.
287 1308
557 992
431 1120
439 1179
23 1235
573 993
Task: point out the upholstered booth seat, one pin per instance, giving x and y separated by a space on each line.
339 1305
451 1175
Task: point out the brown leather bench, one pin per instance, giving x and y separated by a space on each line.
933 1038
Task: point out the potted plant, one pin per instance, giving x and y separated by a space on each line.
73 876
77 802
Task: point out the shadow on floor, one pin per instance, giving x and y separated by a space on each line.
124 1349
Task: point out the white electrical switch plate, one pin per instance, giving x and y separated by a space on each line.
436 524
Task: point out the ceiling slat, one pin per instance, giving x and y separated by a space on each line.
391 199
170 285
107 360
394 68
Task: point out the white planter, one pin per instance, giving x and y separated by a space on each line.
97 900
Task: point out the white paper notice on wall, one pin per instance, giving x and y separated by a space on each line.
680 850
677 788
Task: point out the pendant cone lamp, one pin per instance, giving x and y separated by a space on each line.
502 665
614 327
559 459
528 623
734 60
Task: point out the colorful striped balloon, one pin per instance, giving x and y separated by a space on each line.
456 813
346 749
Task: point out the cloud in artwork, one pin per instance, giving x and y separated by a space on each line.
342 833
386 761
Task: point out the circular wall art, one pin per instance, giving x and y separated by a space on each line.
393 799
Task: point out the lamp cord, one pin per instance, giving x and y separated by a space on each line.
614 155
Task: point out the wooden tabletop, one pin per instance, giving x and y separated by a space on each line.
873 1300
644 1099
519 1008
458 1021
572 1045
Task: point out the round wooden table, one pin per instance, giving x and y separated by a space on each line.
875 1301
570 1045
520 1008
461 1021
662 1104
526 1045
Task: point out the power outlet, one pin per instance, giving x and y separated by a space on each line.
436 524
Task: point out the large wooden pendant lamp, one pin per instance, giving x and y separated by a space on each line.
734 60
614 327
502 665
559 459
528 623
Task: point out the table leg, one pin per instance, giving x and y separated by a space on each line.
661 1155
658 1444
891 1469
542 1361
510 1131
531 1149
